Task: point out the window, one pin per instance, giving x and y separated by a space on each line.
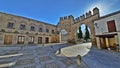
47 30
52 31
21 39
40 29
32 28
111 26
10 25
22 27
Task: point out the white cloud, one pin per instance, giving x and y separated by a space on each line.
103 5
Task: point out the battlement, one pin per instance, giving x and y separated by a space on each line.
66 17
84 16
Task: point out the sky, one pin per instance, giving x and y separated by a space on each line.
50 11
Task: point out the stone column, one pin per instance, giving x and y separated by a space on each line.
98 42
116 39
119 39
107 43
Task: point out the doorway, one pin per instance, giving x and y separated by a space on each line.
8 39
46 40
39 40
21 39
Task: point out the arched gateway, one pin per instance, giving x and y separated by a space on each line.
71 25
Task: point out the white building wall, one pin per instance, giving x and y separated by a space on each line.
101 27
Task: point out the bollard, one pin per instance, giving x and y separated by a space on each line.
59 51
52 47
79 59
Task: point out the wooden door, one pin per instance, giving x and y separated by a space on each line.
8 39
39 40
111 26
46 40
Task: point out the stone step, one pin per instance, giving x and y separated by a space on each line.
11 55
7 64
9 60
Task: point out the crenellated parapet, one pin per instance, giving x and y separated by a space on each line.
82 17
67 17
70 17
62 18
95 11
71 25
87 15
77 19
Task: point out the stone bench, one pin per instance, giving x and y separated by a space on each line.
7 64
7 60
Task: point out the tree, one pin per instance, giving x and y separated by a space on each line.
80 35
87 33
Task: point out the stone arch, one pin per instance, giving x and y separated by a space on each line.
87 19
80 24
90 24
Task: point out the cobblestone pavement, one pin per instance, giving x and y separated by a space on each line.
102 58
38 57
46 57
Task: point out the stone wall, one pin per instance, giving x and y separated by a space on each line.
16 31
55 38
71 25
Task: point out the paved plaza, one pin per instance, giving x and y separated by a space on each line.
102 58
38 56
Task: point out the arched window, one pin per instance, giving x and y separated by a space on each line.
40 29
47 30
32 28
22 27
10 25
53 31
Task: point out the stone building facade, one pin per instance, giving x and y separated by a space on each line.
107 31
20 30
